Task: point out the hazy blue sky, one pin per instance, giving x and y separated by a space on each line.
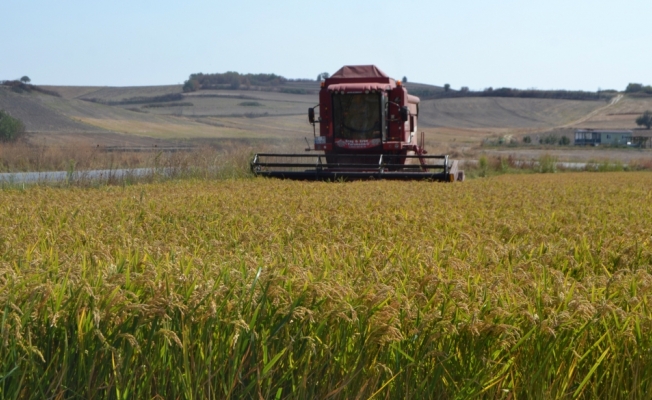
550 44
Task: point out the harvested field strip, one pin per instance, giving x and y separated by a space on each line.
170 128
512 287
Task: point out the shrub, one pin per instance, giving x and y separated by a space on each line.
549 139
176 104
255 115
503 164
191 85
645 120
547 164
607 166
10 127
484 165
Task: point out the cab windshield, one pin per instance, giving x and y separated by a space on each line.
357 116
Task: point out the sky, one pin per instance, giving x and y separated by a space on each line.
552 44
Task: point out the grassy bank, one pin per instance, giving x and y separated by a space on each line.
489 166
24 157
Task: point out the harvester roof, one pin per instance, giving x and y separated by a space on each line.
360 78
360 74
359 71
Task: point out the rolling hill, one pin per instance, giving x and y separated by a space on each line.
143 115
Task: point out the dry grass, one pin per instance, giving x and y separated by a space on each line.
533 286
203 160
23 157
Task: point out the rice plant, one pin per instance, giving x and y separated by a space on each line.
521 286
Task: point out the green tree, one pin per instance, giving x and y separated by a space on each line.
10 127
25 79
323 76
645 120
549 139
404 80
447 87
191 85
633 88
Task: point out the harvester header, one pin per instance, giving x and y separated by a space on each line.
367 129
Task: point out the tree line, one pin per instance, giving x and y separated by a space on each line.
427 93
231 80
638 90
23 85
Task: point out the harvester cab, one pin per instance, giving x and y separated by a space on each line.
366 128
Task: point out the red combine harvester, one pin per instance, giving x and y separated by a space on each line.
367 129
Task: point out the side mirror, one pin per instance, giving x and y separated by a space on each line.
405 113
311 115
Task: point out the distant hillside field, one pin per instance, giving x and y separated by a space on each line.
37 116
501 112
620 115
149 114
71 120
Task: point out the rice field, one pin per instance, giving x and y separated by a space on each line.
517 286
